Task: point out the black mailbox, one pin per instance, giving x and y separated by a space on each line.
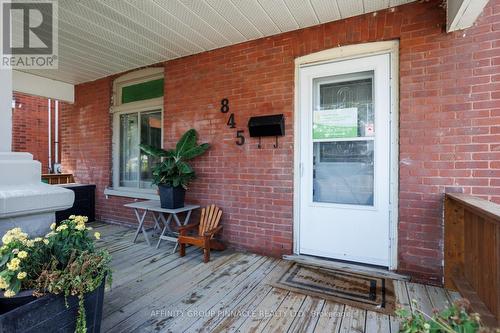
273 125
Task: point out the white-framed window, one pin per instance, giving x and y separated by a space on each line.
137 110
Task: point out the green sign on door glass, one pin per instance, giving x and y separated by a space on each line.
335 123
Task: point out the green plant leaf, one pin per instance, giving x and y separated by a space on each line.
176 182
184 167
173 170
186 142
4 260
153 151
195 151
16 286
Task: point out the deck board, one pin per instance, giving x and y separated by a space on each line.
330 318
154 290
353 320
377 322
307 319
285 313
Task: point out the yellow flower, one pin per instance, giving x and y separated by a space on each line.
18 233
6 239
13 265
80 226
21 275
38 239
30 243
62 227
46 241
9 293
72 217
52 233
81 219
14 234
22 254
3 283
97 235
52 226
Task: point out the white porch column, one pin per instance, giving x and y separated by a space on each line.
5 110
25 201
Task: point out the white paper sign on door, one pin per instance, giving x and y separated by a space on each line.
335 123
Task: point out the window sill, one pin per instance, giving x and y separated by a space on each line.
131 194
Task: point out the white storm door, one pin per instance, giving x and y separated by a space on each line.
345 112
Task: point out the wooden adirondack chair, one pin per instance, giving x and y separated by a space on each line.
207 228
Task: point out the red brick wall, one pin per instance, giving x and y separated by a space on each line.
86 140
449 126
30 127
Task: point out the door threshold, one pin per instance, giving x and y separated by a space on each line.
346 267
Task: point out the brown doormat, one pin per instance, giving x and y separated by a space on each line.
360 291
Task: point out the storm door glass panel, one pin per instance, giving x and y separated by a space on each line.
150 135
129 150
343 139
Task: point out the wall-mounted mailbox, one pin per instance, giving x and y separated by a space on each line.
272 125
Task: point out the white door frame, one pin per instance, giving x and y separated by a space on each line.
346 53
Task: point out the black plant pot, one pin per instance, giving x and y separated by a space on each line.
171 197
51 313
10 303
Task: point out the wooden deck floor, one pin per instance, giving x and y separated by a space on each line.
157 291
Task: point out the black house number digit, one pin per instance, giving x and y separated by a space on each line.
241 138
224 105
230 121
224 108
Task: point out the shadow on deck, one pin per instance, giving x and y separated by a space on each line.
155 290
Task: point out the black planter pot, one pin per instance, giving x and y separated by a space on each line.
50 314
171 197
10 303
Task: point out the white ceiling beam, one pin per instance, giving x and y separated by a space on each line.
40 86
461 14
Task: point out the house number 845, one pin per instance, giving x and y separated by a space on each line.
224 108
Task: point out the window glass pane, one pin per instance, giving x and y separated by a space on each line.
129 150
142 91
343 136
151 135
343 172
344 106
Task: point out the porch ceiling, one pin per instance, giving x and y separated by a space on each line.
100 38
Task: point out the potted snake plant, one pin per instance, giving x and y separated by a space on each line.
173 173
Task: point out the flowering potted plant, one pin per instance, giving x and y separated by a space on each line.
173 174
65 262
456 317
20 260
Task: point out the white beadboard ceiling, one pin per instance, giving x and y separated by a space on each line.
98 38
